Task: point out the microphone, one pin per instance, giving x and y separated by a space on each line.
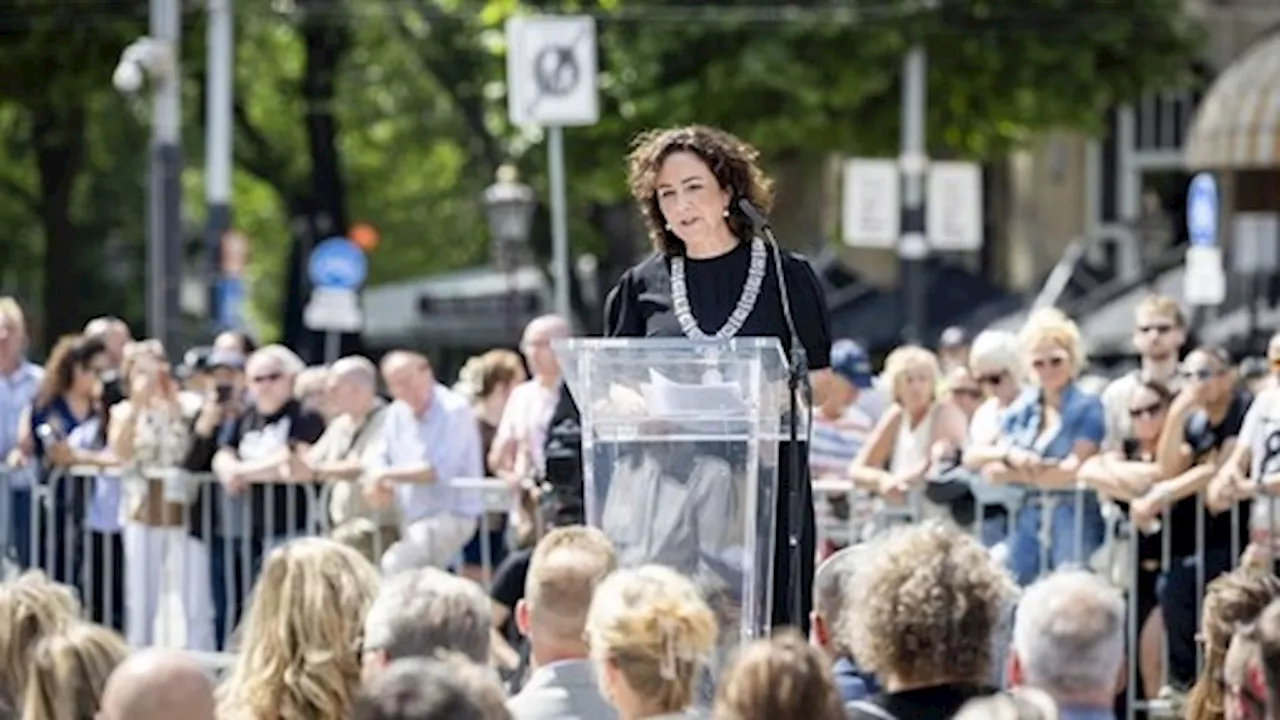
765 228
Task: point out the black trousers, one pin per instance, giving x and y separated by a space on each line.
784 593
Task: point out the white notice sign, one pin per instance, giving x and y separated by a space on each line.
1204 282
871 210
953 207
551 71
333 310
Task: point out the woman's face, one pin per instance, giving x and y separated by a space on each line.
916 386
994 381
1147 411
86 379
1050 364
691 200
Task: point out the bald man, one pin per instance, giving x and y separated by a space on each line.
157 685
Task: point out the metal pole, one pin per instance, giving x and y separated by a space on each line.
913 248
559 231
164 239
218 140
332 347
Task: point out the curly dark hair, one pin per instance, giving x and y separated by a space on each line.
731 161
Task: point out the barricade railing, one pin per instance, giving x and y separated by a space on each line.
170 557
1119 558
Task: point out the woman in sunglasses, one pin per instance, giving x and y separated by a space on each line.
1045 436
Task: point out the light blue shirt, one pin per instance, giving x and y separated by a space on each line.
17 390
1082 418
447 437
102 513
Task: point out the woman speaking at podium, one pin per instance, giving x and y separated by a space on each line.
712 276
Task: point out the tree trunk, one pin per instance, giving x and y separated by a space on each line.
58 138
323 211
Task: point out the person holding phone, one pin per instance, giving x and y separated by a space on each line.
150 437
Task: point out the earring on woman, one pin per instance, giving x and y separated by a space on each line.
668 226
726 212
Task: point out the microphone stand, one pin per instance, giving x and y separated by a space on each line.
797 382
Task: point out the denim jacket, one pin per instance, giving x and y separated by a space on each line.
1082 419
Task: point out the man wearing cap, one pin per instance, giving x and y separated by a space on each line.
953 348
841 424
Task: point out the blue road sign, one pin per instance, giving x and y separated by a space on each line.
1202 211
337 264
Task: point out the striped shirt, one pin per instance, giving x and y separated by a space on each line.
835 442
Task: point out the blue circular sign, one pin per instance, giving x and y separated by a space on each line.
1202 211
337 264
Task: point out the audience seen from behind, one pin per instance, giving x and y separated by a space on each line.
153 684
567 566
929 600
31 608
782 677
421 613
651 635
69 670
1230 601
833 585
299 655
1022 703
1069 641
446 688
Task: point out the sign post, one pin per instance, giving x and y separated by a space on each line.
551 82
337 268
1204 282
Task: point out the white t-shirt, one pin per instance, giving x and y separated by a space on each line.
527 418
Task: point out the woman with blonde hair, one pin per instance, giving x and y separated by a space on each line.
1045 436
69 670
149 436
300 652
650 634
916 432
1230 601
31 607
781 677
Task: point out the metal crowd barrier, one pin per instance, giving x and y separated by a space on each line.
1125 572
159 583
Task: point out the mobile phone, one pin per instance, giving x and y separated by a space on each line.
224 393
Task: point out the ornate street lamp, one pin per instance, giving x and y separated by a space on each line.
509 206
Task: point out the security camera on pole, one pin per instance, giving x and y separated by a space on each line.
551 82
154 59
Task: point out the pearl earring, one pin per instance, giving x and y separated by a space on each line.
668 226
726 212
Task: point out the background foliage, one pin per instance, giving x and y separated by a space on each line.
393 112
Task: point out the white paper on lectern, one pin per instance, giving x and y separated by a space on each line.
667 398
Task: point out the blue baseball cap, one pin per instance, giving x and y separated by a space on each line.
850 361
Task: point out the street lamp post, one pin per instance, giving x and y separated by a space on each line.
509 206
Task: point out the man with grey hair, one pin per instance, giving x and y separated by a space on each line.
352 387
421 689
1068 640
423 613
833 584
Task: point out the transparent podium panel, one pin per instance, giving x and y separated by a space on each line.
680 446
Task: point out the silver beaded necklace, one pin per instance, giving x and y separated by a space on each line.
746 302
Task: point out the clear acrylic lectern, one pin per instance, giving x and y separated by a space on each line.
680 460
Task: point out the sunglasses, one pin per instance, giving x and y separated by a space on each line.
992 379
1275 363
1055 361
264 379
968 392
1146 411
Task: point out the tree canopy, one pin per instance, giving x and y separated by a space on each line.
392 112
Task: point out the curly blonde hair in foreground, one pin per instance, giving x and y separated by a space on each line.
303 630
928 602
651 624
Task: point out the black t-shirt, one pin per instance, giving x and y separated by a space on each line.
276 509
940 702
508 589
1205 437
641 304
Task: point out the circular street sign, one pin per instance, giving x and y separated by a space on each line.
556 71
1202 210
337 264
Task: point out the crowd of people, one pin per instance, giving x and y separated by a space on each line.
998 532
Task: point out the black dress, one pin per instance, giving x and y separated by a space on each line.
641 306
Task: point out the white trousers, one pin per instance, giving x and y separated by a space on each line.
432 541
163 563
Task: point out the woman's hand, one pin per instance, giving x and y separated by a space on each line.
1023 459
